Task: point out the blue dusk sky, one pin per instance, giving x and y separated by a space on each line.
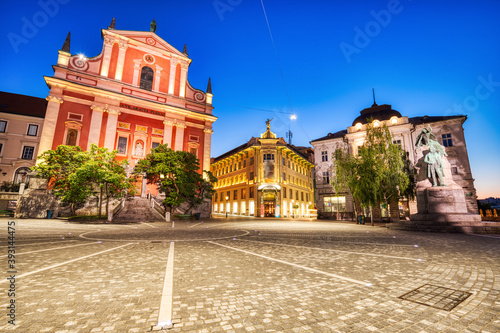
435 58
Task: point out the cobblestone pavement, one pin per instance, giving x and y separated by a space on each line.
248 275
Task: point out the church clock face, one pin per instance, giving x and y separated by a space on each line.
149 58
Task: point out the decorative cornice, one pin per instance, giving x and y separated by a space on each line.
109 40
54 99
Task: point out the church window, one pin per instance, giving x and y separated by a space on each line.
147 78
122 145
71 137
447 142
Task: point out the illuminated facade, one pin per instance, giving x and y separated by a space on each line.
132 97
448 130
265 177
21 122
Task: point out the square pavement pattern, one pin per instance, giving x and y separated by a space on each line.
245 275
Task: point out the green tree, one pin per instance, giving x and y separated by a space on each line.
377 174
56 166
73 173
101 169
176 174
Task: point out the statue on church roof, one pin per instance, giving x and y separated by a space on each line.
268 123
152 26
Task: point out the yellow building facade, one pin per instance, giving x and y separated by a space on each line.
265 177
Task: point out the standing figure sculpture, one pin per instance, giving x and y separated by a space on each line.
268 123
434 157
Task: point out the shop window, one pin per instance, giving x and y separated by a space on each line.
32 130
334 204
147 75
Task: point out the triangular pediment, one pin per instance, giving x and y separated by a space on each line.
148 38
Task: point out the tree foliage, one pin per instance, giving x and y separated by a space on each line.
73 173
176 174
377 174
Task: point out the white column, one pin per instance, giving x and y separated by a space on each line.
157 78
171 82
167 133
179 136
206 148
121 60
137 66
108 46
182 90
95 125
109 139
49 124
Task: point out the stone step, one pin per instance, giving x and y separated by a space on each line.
136 210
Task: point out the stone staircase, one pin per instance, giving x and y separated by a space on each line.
137 210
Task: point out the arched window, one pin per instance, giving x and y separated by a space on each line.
147 78
71 137
21 176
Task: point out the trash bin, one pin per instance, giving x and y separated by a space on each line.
361 219
197 216
49 214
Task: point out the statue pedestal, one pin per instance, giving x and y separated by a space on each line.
444 209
